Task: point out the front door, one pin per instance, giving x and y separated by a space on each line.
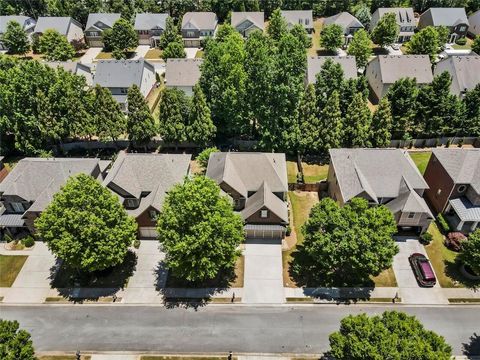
453 38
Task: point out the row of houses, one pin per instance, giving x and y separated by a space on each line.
256 184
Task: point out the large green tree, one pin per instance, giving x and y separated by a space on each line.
361 48
86 226
346 245
200 129
392 335
140 122
199 231
15 344
476 44
331 128
170 35
357 123
470 255
309 124
403 103
386 31
109 120
331 37
173 115
15 39
381 125
301 34
471 124
55 47
277 26
329 79
174 50
123 38
425 42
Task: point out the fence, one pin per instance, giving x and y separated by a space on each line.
316 187
453 140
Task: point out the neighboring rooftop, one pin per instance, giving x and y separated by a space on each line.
147 177
294 17
344 19
395 67
199 20
24 21
443 16
264 197
404 16
182 72
465 71
315 63
462 165
255 17
61 24
120 73
100 21
148 21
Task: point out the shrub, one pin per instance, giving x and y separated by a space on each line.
28 241
7 238
426 238
204 156
461 41
470 255
136 244
288 230
449 142
443 224
454 241
460 143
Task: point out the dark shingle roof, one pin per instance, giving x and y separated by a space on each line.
120 73
147 21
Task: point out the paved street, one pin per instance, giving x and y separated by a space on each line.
284 329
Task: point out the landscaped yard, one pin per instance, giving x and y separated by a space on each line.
313 173
385 279
199 54
153 97
10 266
443 262
317 25
301 203
154 54
292 171
104 56
421 158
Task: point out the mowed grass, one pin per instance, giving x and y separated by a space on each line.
104 56
385 279
421 158
301 204
313 173
317 25
154 54
292 171
10 266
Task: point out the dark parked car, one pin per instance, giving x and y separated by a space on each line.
423 270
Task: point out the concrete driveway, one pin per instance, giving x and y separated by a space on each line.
263 282
191 52
141 51
409 290
91 54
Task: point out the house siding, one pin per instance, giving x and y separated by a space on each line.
144 219
333 187
437 179
473 196
75 33
270 219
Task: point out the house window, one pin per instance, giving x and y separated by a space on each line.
153 214
130 203
17 207
93 33
462 188
411 215
463 28
264 214
307 22
123 90
300 21
190 33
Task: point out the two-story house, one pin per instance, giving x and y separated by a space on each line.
405 21
182 74
383 177
454 19
246 22
197 26
453 177
142 181
302 17
29 188
97 23
119 75
257 185
66 26
349 23
27 23
150 27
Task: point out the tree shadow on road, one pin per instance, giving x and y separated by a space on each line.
473 347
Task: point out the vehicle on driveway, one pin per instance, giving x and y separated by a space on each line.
422 269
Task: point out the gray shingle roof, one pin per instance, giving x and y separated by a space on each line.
464 70
255 17
148 21
199 20
408 201
152 175
61 24
465 210
265 198
294 17
443 16
474 22
11 220
378 172
395 67
404 16
344 19
315 63
106 18
182 72
120 73
25 21
462 165
37 179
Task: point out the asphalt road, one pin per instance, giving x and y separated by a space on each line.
213 329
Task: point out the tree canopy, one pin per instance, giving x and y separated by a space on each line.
55 47
331 37
386 31
15 344
86 226
470 255
277 26
123 38
15 39
204 156
140 126
392 335
344 246
425 42
360 47
199 231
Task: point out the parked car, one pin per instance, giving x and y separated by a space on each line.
423 270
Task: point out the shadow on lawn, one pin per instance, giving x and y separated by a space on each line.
452 270
91 286
179 292
473 347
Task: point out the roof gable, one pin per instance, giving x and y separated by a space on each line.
120 73
396 67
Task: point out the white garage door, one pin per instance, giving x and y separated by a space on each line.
264 231
148 232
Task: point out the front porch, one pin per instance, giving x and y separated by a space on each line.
462 215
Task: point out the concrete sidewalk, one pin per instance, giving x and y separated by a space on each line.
90 55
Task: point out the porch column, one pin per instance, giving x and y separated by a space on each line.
460 225
474 226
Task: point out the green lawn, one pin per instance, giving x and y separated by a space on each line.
385 279
421 158
292 171
10 266
313 173
199 54
104 56
317 25
154 54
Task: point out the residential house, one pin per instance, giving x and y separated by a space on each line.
384 70
119 75
315 63
349 23
302 17
27 23
405 21
97 23
257 185
383 177
150 27
464 70
29 188
453 18
453 177
474 22
74 67
66 26
197 26
182 74
246 22
142 181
